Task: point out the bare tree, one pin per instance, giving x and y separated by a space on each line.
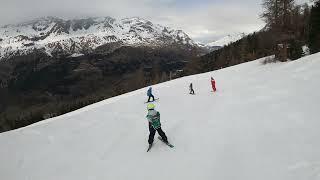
277 13
271 13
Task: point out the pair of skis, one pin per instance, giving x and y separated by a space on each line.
167 143
152 101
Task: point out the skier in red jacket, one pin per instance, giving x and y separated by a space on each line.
213 84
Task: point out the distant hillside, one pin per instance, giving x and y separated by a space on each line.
36 86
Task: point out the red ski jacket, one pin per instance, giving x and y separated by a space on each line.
213 83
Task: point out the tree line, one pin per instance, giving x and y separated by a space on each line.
36 87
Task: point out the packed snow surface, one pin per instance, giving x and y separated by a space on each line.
262 124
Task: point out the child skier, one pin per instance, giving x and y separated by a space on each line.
149 94
213 84
153 117
191 89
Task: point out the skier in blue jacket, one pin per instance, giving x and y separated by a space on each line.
149 94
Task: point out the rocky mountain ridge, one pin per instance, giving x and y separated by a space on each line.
56 36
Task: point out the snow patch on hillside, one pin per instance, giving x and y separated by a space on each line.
227 39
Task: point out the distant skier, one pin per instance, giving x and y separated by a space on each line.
191 88
213 84
150 95
153 117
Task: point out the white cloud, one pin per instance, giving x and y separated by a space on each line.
212 21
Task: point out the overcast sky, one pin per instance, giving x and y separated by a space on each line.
203 20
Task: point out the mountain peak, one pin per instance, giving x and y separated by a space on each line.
53 34
227 39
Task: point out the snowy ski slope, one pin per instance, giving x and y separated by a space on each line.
262 124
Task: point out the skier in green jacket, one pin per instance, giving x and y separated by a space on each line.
153 117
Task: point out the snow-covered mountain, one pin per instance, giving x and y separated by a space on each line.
207 47
227 40
261 124
54 35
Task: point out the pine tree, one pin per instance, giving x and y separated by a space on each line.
287 7
295 50
305 20
314 28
